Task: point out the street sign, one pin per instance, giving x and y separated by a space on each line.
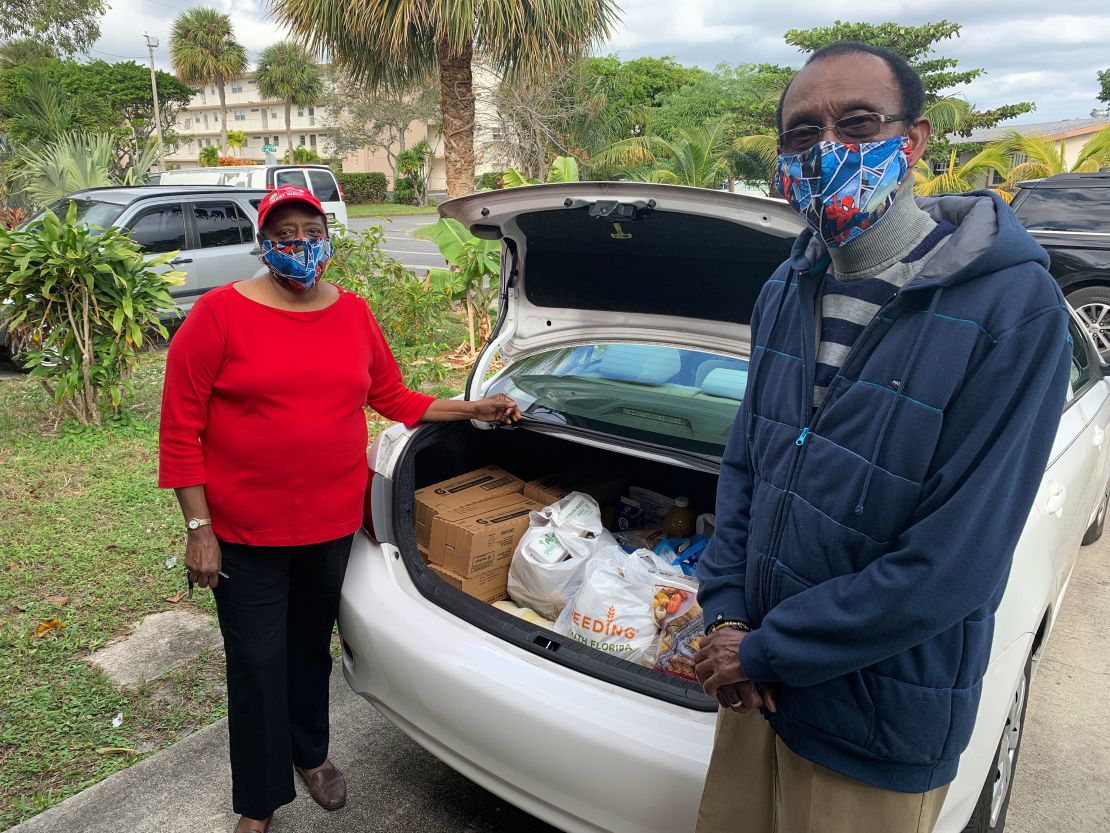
269 148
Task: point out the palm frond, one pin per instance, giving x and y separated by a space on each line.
203 47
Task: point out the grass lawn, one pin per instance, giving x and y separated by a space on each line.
84 539
424 232
387 209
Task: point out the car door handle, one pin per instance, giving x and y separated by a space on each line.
1099 437
178 261
1057 497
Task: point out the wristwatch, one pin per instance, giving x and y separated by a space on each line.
197 523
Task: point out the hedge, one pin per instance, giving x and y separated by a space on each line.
363 188
491 180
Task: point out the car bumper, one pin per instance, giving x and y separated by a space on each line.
578 753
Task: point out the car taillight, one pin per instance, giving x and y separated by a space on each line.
340 189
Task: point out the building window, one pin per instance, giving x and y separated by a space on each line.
240 115
254 109
301 142
312 140
237 86
273 113
939 166
300 112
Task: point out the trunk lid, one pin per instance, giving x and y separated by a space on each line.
613 261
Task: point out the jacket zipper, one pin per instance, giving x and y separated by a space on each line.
809 418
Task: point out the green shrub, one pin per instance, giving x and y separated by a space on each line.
363 188
489 181
405 192
209 156
83 302
412 318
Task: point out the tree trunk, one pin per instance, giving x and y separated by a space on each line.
288 128
223 112
456 98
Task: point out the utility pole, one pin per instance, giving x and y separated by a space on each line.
151 45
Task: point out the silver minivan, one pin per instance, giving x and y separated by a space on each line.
213 229
319 179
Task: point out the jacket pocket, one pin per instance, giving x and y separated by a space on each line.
912 722
839 708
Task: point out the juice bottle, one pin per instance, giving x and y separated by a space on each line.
680 521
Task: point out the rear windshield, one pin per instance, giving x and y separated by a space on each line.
89 212
1066 209
684 399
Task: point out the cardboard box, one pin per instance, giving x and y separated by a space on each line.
484 541
458 492
437 545
488 587
605 489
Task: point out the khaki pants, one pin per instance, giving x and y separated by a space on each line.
756 785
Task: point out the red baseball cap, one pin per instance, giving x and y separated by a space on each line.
288 194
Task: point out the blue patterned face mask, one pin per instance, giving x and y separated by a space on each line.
299 264
841 189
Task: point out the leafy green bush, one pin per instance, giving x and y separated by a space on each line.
412 318
363 188
473 277
404 192
489 181
209 156
84 302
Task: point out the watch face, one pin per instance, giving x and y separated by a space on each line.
194 524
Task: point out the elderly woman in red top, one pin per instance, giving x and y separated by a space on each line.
263 437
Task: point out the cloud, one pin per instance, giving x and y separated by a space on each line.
1028 55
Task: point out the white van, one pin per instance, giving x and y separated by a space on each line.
317 178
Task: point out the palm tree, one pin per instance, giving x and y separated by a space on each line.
203 50
237 140
76 161
698 157
395 44
286 71
1043 157
957 177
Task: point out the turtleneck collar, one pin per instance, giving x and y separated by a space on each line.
901 227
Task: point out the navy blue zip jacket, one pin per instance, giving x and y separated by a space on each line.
868 542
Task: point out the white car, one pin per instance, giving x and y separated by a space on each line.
623 333
319 179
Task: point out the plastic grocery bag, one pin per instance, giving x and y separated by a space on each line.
549 559
676 612
612 610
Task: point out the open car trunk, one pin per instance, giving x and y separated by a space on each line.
445 450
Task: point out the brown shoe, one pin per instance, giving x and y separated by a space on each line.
245 825
326 785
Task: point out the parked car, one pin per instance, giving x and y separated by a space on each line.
1069 214
623 331
320 179
213 227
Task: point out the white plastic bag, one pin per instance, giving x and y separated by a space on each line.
549 559
612 610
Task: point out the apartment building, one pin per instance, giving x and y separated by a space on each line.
262 121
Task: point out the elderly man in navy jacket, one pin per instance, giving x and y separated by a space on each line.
908 369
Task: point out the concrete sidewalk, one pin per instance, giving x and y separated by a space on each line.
394 786
397 787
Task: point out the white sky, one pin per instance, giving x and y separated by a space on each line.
1029 54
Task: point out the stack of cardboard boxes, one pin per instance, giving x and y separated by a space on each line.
467 527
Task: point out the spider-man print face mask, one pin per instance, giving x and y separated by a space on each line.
841 189
299 262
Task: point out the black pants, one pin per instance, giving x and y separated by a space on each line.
277 608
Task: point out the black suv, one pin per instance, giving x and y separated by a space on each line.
1069 214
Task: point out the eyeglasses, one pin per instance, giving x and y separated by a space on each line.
861 127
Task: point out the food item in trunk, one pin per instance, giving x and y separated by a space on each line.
446 520
706 524
676 611
680 521
612 610
605 489
483 541
682 553
630 515
548 562
655 505
641 538
525 613
487 587
468 489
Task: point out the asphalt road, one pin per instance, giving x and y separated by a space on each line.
397 787
418 255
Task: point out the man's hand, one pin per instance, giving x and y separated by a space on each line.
202 557
717 663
